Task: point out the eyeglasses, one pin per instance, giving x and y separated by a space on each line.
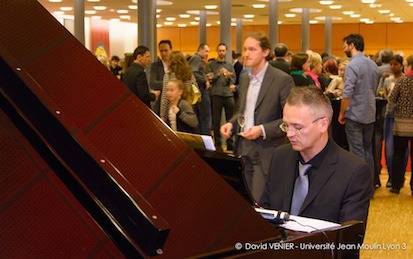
297 129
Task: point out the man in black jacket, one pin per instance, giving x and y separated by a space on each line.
135 76
312 176
280 52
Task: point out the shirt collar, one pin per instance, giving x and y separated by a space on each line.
260 75
317 159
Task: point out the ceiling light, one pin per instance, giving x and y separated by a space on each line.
355 15
184 15
55 1
335 6
384 11
208 25
395 19
258 6
197 18
133 7
290 15
194 23
368 1
211 7
122 11
399 21
70 17
233 19
391 15
94 1
158 10
168 23
364 19
163 2
158 16
326 2
90 12
99 7
411 4
126 17
181 25
313 21
369 22
279 22
170 19
58 13
375 5
66 8
348 12
96 17
114 20
135 1
249 16
247 20
218 22
233 24
300 10
409 1
158 25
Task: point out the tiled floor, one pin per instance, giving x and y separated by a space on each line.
390 224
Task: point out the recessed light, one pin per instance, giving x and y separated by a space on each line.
337 6
158 25
355 15
211 7
384 11
90 12
181 25
399 21
170 19
208 25
122 11
326 2
279 22
59 13
158 10
194 23
233 24
158 16
313 21
99 7
375 5
168 23
364 19
55 1
133 7
93 1
184 15
369 22
163 2
258 6
368 1
126 17
391 15
197 18
348 12
249 16
66 8
218 22
290 15
411 4
395 19
409 1
114 20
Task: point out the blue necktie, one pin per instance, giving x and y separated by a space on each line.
300 188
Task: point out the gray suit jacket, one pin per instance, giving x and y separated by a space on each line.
274 90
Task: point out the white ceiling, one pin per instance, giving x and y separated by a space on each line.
396 8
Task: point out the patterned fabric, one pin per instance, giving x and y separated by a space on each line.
402 97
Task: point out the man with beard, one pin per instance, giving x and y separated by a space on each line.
358 107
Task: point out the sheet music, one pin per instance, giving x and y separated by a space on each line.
308 224
208 142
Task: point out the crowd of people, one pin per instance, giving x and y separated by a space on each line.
265 98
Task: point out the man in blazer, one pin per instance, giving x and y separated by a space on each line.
135 76
337 184
263 92
158 70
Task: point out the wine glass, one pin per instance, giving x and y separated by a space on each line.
241 122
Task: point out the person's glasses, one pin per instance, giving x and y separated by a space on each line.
297 129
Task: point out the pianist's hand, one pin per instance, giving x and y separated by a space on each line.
226 130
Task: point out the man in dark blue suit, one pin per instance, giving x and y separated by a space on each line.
135 76
312 176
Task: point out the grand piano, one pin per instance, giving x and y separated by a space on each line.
87 171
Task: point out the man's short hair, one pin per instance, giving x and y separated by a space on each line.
386 55
140 51
280 50
201 46
298 60
222 44
115 58
357 41
312 97
165 42
263 41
